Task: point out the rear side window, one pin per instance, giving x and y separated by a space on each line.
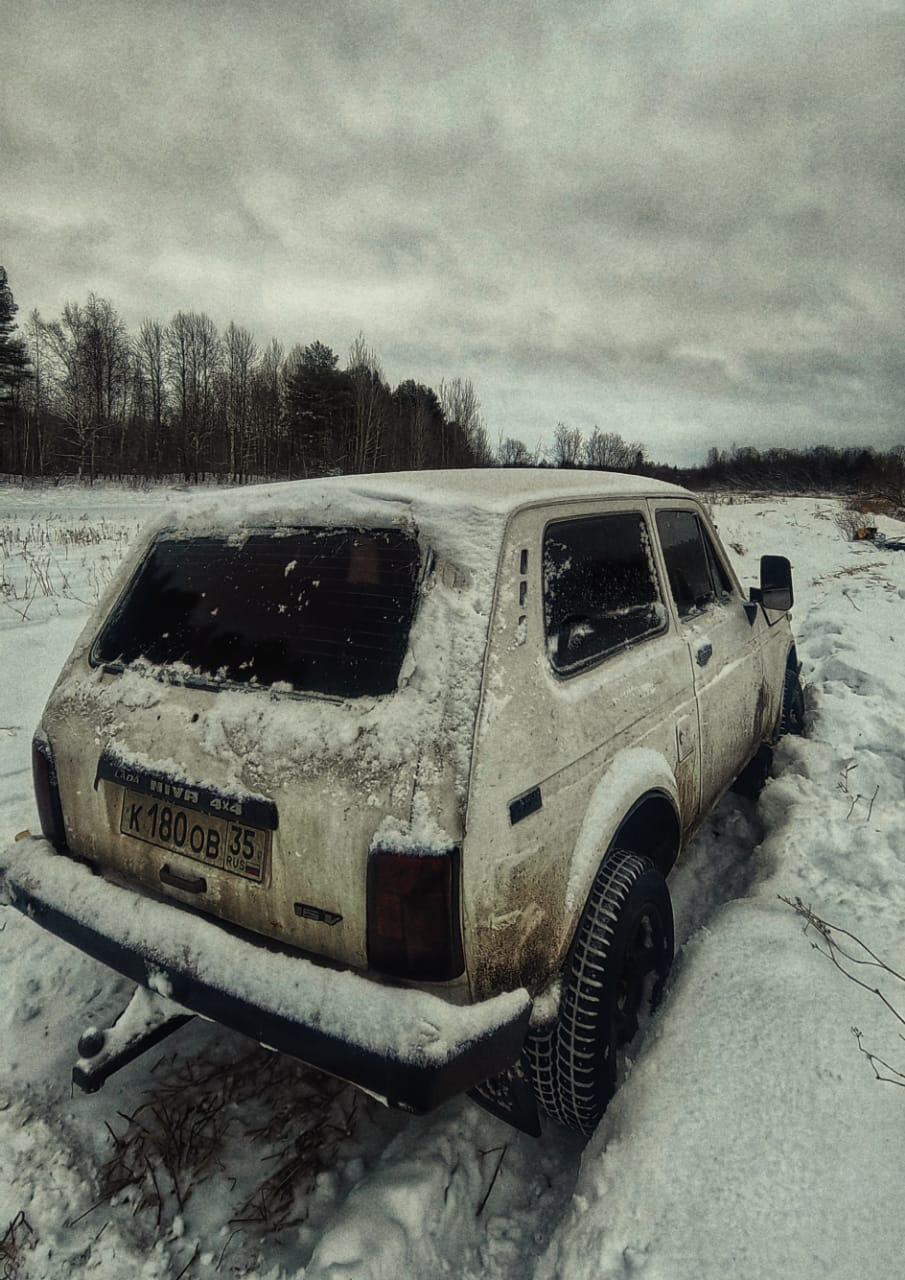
696 577
318 610
600 588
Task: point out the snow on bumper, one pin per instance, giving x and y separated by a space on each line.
409 1047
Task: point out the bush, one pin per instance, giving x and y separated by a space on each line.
854 524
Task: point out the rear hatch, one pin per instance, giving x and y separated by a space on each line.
262 704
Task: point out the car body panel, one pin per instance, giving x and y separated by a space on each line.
577 727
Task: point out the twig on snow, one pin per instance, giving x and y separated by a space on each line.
843 774
189 1263
229 1240
71 1222
870 807
895 1076
842 956
499 1163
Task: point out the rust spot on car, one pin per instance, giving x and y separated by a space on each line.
762 712
521 948
687 786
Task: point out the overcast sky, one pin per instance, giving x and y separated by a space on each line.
683 220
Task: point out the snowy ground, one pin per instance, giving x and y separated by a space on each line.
750 1139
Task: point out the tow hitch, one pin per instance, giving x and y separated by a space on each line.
147 1019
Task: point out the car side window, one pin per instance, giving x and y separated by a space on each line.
601 590
696 576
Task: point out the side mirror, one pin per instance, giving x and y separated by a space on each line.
775 592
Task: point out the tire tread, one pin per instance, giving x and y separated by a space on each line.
571 1078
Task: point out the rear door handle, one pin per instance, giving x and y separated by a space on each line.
705 653
197 884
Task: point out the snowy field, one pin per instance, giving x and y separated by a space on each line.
751 1138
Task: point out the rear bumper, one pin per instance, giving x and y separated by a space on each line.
409 1047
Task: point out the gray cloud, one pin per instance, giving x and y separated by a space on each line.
686 224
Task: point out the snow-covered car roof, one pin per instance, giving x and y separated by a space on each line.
497 490
459 512
501 489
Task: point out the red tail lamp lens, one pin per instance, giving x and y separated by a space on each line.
413 914
47 792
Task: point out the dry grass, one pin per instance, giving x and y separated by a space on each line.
48 559
862 966
264 1126
18 1238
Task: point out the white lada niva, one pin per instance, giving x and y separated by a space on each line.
389 773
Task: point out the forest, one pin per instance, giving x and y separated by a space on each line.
81 396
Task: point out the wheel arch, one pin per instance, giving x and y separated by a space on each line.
634 807
651 828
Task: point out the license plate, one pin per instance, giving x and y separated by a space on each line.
216 842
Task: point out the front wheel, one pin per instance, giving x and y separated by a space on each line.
792 704
613 978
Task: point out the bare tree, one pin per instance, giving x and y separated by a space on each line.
182 395
150 350
267 409
369 407
512 452
36 399
568 446
107 356
91 352
240 356
607 451
466 436
194 358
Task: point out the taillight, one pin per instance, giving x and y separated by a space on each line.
413 914
47 791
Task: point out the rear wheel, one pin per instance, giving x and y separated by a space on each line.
614 976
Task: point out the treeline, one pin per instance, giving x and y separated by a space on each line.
817 468
82 396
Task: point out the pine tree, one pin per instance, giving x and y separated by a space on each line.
14 361
319 404
14 371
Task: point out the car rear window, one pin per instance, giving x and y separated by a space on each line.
318 610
